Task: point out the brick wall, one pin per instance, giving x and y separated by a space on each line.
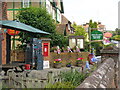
4 49
3 17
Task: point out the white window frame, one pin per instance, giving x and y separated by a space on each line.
26 3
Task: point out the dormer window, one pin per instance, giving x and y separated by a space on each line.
68 27
26 3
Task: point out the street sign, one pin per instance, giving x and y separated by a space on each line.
96 35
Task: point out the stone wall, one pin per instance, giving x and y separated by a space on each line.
103 77
36 78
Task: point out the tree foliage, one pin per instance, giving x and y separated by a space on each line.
41 19
97 46
116 37
93 25
117 31
116 34
38 18
58 40
79 30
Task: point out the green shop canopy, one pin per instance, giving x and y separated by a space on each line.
16 25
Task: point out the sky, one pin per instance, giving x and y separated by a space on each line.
81 11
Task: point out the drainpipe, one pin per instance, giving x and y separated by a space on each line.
119 65
0 29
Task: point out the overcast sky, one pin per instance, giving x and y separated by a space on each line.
81 11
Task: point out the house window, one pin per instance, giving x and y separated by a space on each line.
68 26
26 3
43 3
80 43
72 42
53 14
58 16
48 6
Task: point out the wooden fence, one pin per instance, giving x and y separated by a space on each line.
19 55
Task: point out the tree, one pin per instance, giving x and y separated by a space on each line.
97 46
58 40
41 19
38 18
93 25
116 34
116 37
79 30
117 31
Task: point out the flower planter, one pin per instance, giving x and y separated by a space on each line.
69 65
57 65
79 64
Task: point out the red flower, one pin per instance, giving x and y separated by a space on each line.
57 59
80 58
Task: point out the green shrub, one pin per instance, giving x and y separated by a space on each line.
74 77
97 46
60 85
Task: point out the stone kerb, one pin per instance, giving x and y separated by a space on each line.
103 77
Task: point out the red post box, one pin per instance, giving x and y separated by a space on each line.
45 49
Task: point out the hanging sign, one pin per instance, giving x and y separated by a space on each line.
96 35
108 35
12 32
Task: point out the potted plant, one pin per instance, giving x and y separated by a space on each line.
79 62
68 64
57 63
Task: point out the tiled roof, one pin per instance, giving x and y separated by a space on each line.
61 28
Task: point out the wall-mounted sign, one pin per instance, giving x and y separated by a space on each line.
46 64
96 35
